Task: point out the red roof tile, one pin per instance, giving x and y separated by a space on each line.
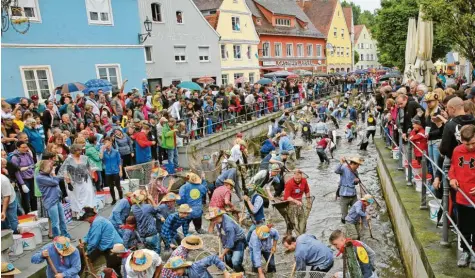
348 12
358 29
320 13
213 19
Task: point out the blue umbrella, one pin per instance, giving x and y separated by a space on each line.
264 81
96 85
70 88
14 100
190 85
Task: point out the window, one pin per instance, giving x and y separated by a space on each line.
332 51
180 53
224 79
37 80
367 57
278 49
156 12
364 36
289 50
319 50
309 50
236 23
265 49
28 9
203 52
342 33
282 22
99 11
372 57
347 52
237 51
248 52
338 51
300 50
110 73
224 53
148 54
362 57
251 78
237 76
179 17
335 32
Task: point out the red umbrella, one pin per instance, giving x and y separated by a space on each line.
205 80
241 79
292 76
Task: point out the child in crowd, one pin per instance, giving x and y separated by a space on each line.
419 138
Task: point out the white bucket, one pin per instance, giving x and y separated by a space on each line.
99 202
34 228
396 153
17 247
125 185
29 241
44 226
134 184
108 195
433 210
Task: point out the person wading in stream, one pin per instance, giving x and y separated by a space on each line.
356 214
348 181
295 188
309 251
263 242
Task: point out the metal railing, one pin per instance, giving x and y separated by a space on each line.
409 146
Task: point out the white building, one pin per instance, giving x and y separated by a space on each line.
366 47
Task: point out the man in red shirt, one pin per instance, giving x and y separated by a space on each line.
296 187
297 213
222 199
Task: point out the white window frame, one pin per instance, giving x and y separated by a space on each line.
199 57
342 33
223 77
182 18
268 49
179 61
240 52
249 52
119 72
238 21
145 53
292 50
221 47
36 19
362 57
99 22
275 49
283 22
318 50
309 47
347 52
161 13
37 67
239 75
253 79
302 54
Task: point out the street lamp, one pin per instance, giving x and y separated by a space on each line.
148 28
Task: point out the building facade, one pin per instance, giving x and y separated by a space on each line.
348 12
367 49
328 17
183 46
94 39
239 41
288 40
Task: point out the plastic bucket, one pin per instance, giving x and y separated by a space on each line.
418 181
108 196
395 153
125 185
433 210
28 241
26 218
44 226
34 228
17 247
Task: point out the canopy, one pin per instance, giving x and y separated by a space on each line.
389 75
411 46
281 73
96 85
264 81
303 72
190 85
424 67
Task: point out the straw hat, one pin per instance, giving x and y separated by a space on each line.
192 242
263 232
229 181
140 260
9 269
275 167
194 178
171 197
237 275
357 160
176 263
119 248
138 197
63 246
368 198
185 208
213 213
159 172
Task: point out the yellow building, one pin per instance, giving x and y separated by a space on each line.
239 41
328 17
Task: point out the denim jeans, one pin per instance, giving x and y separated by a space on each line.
58 222
173 156
271 268
12 219
236 256
153 243
434 155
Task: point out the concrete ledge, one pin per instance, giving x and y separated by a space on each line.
417 236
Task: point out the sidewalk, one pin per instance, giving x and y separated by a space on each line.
77 229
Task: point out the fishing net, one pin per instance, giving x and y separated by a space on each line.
140 174
295 216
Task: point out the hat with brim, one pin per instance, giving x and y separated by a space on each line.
119 248
213 213
159 172
177 263
63 246
431 96
275 168
184 208
171 197
140 260
193 178
368 197
138 197
263 232
229 181
192 242
357 160
9 269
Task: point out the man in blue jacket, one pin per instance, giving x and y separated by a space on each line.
192 193
121 211
348 181
64 256
309 251
112 167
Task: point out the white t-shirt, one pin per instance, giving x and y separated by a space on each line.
236 154
7 189
156 261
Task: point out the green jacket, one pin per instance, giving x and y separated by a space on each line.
93 155
168 137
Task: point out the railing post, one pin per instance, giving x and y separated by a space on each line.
424 181
400 166
409 160
445 220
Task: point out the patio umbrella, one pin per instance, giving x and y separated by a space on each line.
190 85
281 73
389 75
205 80
96 85
241 79
411 48
292 76
424 66
70 88
264 81
303 72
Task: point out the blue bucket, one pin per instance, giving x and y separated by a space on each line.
170 167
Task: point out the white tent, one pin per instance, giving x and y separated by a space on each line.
425 70
411 50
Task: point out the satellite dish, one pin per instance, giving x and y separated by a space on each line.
329 46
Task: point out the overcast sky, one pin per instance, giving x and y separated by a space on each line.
369 5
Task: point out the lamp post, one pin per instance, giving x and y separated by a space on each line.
148 28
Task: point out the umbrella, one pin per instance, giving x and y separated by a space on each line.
281 73
264 81
410 56
14 100
205 80
241 79
360 71
389 76
190 85
321 74
69 88
424 66
303 72
96 85
292 76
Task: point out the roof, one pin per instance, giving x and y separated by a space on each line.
348 13
282 7
213 20
358 29
205 5
320 13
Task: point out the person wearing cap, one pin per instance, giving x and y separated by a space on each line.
166 207
309 251
143 263
122 253
188 244
222 196
286 145
198 269
356 214
175 221
348 181
295 188
101 238
64 256
264 179
263 242
228 174
192 193
418 136
143 151
8 270
232 236
236 153
121 211
38 108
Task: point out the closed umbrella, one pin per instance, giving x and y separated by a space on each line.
424 67
264 81
95 85
411 50
190 85
69 88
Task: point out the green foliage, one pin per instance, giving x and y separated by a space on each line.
359 16
357 56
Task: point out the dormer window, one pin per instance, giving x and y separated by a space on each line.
282 22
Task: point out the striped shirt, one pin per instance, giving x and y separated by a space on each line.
171 225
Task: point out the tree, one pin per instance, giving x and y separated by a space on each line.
357 56
456 21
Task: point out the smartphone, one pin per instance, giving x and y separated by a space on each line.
435 119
